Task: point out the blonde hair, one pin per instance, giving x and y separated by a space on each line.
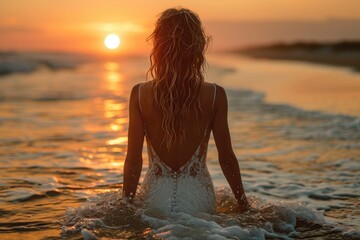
177 63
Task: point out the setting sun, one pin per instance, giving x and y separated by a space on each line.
112 41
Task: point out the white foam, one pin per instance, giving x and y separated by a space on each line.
276 219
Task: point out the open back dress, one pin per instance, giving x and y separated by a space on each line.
189 189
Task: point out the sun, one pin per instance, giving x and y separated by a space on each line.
112 41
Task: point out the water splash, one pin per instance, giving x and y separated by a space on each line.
109 214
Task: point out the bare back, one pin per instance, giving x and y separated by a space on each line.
195 131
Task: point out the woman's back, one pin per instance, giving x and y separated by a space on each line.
175 182
196 131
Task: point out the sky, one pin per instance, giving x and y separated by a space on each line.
82 25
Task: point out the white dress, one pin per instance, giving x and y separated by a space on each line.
189 189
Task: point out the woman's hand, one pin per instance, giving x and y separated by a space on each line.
129 200
243 205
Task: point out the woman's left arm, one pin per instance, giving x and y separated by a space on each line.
133 160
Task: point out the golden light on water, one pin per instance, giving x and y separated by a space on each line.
117 141
112 41
115 109
114 127
113 78
111 66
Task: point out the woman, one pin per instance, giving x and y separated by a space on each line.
176 111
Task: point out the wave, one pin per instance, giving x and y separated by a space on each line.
25 195
109 214
315 124
9 227
26 63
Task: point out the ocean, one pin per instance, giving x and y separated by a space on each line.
295 129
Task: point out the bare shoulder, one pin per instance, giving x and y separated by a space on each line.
144 88
147 84
221 98
208 88
134 97
134 91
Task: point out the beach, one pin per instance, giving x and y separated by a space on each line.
298 83
63 140
343 54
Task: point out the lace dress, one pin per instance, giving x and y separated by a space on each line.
189 189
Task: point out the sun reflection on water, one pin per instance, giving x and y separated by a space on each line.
115 111
117 141
114 127
114 108
111 66
113 78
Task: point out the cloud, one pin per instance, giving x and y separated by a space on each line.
12 25
19 29
117 27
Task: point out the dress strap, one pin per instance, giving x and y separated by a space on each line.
140 98
141 112
212 110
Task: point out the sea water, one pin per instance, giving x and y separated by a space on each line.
63 140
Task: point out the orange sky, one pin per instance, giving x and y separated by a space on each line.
39 25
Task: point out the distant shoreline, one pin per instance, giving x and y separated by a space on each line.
345 53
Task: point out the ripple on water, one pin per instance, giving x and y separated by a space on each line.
27 194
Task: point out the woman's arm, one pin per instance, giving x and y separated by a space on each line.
133 160
227 158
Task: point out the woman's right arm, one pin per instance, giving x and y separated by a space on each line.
133 161
227 158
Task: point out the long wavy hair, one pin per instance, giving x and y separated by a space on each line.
177 63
